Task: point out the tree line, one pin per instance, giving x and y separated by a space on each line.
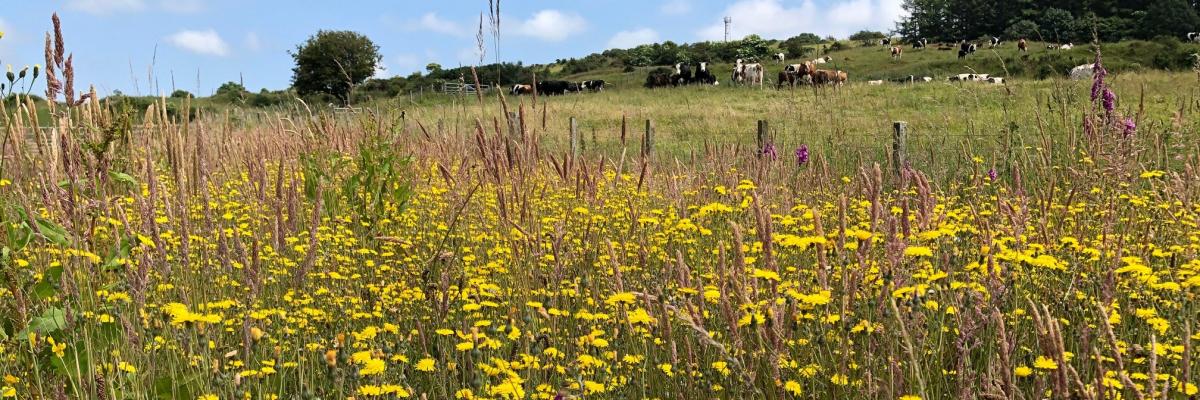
1054 21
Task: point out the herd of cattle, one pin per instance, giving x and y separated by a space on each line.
558 87
753 73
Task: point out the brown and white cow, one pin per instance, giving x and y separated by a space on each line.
897 52
1023 46
520 89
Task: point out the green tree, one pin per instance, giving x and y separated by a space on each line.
867 36
1057 25
181 94
753 47
231 91
1169 18
333 62
433 67
1022 29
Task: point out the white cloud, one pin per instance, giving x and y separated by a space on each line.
633 38
206 42
433 23
782 19
101 7
552 25
252 42
182 6
676 7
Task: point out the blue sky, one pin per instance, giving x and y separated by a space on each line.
137 46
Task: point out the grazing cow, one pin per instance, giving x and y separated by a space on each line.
897 52
786 78
996 80
927 79
1023 46
555 87
780 57
1082 72
920 43
876 82
593 85
1067 46
683 74
995 42
520 89
822 60
840 77
823 76
1193 36
574 87
965 48
704 76
885 42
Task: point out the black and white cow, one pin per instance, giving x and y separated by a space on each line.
885 42
780 57
593 85
995 42
920 43
683 74
704 76
965 48
1193 36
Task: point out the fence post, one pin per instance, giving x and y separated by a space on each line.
574 138
648 139
899 146
761 137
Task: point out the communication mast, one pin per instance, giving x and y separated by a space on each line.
728 21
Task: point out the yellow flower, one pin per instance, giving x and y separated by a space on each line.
57 348
126 367
1045 363
7 392
626 298
1023 371
426 365
839 379
208 397
373 366
918 251
910 397
721 367
11 380
1152 174
666 369
764 274
793 387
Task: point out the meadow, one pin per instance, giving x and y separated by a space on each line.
1041 240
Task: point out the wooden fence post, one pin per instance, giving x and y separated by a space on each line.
899 146
648 139
762 137
574 140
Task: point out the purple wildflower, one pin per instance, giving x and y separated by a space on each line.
801 155
1098 75
992 175
768 150
1130 128
1088 128
1109 100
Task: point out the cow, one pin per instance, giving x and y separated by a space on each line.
554 87
747 73
780 57
787 78
885 42
658 77
965 48
704 76
996 80
574 87
520 89
994 43
822 60
1082 72
920 43
1193 36
593 85
1023 46
1067 46
840 78
825 76
876 82
683 74
897 52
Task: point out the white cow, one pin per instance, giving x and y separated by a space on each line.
1067 46
780 57
1082 72
822 60
879 82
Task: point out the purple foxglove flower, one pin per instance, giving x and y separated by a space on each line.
768 150
1129 129
992 174
801 155
1109 100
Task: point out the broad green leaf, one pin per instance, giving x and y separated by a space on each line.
123 178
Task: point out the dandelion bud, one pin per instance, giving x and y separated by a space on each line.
331 358
21 75
36 69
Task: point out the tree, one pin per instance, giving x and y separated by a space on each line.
1057 24
752 47
433 67
333 62
798 45
231 91
1022 29
866 36
1169 18
180 94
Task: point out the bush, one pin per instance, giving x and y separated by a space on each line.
1023 29
181 94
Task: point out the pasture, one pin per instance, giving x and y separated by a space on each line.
1035 244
